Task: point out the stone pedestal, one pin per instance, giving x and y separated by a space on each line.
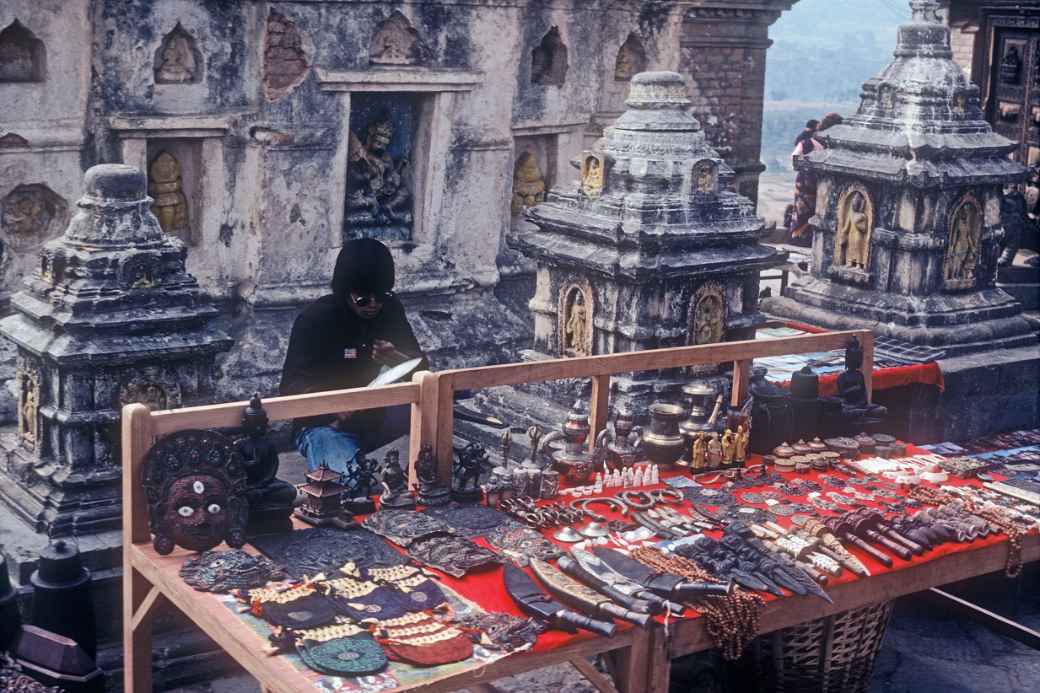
905 240
110 317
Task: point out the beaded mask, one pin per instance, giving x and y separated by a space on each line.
195 484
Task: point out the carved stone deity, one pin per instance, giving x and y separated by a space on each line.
380 187
169 204
176 64
1011 66
963 250
528 183
30 209
707 177
394 43
29 406
577 325
855 223
708 315
631 59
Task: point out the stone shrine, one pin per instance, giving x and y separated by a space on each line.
909 209
110 317
650 247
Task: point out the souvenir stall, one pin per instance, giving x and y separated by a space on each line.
722 520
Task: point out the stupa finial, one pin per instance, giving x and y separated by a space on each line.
926 11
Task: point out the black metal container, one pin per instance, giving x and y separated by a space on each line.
805 404
61 595
10 618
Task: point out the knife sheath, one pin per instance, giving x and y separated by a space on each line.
596 566
581 597
571 567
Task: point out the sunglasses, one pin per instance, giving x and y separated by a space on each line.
364 299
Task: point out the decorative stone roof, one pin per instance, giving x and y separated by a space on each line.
920 121
114 283
663 204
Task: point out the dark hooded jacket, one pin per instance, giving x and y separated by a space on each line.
330 347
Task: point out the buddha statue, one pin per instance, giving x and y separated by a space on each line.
176 59
576 327
169 204
855 231
528 184
852 387
270 499
592 177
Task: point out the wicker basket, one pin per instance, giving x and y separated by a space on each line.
832 655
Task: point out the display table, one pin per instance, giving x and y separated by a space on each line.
638 658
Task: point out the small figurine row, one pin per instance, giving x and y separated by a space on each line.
635 476
710 451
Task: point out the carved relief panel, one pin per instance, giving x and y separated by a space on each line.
631 59
706 177
962 249
151 394
395 42
855 226
528 182
593 175
707 318
22 55
574 316
31 210
29 405
178 60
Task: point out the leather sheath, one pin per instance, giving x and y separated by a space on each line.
580 596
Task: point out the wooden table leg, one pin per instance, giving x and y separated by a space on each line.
137 631
629 665
659 666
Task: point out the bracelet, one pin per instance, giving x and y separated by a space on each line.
670 496
582 505
633 499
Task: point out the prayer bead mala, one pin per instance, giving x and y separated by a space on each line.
731 620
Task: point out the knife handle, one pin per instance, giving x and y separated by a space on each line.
624 614
897 549
603 628
692 590
878 555
571 567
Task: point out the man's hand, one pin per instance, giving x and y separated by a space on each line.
343 418
386 353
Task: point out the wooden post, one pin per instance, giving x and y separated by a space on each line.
741 377
867 338
437 399
599 407
418 434
137 637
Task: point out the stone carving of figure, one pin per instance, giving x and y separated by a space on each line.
963 249
25 211
395 43
528 184
176 59
17 59
149 394
1011 66
706 178
29 406
709 315
169 204
631 59
854 231
575 330
380 187
592 177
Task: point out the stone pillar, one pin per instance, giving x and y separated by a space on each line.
723 57
109 317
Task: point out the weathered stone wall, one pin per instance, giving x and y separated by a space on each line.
254 98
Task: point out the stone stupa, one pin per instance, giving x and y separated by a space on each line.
906 233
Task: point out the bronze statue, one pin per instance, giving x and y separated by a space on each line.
169 204
380 188
270 499
470 462
395 484
852 386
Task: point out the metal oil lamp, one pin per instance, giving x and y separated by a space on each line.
663 443
622 440
572 462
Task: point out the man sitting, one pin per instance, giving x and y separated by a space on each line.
342 340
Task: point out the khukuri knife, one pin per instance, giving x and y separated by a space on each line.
665 584
532 600
623 584
571 567
582 597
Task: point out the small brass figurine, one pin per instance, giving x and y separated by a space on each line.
728 447
395 484
740 453
700 455
470 462
431 492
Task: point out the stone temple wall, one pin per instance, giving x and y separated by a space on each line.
255 123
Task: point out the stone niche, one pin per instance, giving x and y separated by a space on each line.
534 171
386 132
549 60
178 60
631 59
174 184
30 215
23 57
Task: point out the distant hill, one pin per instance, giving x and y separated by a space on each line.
822 53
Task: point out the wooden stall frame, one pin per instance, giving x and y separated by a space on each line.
431 397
